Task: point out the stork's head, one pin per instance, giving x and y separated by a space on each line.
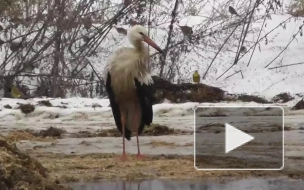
138 33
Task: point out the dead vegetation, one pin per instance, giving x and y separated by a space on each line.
252 98
26 108
158 130
19 135
161 143
282 98
20 171
153 130
155 143
7 106
84 168
48 134
186 92
245 98
99 133
51 132
299 105
46 103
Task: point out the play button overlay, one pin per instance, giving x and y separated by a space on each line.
235 138
239 138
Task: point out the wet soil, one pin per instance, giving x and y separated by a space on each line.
92 159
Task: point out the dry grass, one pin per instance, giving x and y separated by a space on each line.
97 167
47 135
153 130
20 171
158 130
154 143
15 136
161 143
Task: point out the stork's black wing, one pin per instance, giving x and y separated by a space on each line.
145 96
115 109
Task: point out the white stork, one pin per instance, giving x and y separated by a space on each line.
128 83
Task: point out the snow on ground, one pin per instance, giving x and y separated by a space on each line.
68 106
75 114
73 105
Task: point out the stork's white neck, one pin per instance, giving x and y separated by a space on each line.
139 46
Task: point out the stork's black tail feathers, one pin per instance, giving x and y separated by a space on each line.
145 96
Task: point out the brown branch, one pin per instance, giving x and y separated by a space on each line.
163 58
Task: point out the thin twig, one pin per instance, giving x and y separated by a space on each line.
300 63
267 11
274 84
265 36
246 31
163 58
293 38
204 76
254 45
235 74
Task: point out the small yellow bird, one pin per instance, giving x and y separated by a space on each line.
196 77
15 92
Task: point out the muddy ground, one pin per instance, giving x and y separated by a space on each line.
84 153
166 157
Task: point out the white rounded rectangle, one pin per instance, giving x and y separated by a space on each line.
239 138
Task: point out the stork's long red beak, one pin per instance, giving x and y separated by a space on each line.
153 44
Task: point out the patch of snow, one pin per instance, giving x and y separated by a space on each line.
79 114
71 105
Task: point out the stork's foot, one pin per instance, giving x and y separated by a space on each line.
123 158
140 157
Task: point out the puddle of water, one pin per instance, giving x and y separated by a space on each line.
252 184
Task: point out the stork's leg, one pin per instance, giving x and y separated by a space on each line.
123 156
139 156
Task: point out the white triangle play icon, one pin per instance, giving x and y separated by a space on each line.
235 138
